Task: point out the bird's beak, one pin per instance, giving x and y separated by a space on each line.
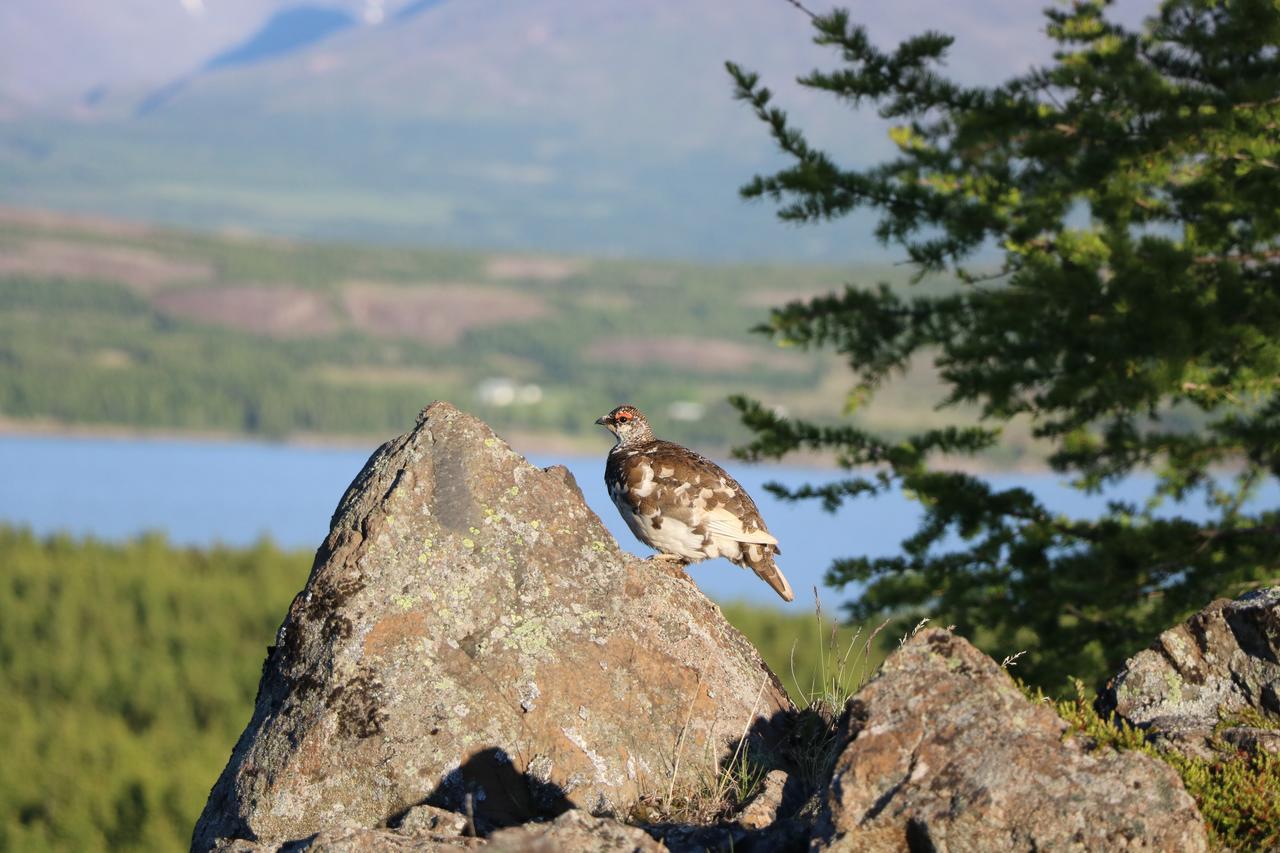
603 420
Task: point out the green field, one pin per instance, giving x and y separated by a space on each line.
128 671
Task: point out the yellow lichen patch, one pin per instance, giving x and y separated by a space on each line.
530 637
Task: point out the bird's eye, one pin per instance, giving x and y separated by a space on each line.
622 416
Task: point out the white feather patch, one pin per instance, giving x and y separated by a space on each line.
722 522
647 484
674 537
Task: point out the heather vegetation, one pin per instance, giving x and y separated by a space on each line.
1235 790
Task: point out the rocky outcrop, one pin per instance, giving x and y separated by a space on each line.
946 753
1208 678
471 637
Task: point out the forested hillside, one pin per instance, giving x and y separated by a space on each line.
110 324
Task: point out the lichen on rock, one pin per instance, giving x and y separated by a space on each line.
1204 679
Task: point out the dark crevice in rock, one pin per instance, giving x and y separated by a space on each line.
1251 635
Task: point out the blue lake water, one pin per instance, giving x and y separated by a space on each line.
202 492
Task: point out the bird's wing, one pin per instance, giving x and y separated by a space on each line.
725 523
702 492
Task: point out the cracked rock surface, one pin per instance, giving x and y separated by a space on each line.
471 632
945 753
1221 663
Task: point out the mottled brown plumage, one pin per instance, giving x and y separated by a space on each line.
682 504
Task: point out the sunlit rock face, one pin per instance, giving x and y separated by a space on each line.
1206 680
944 752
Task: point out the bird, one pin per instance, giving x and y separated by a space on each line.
683 505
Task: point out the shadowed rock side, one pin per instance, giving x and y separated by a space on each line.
945 753
1200 676
471 631
574 831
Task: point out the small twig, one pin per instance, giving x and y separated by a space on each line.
468 804
982 279
801 7
1244 258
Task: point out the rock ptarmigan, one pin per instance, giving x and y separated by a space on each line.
682 504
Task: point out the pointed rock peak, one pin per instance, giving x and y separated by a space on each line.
471 633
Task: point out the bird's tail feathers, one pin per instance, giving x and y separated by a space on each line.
767 570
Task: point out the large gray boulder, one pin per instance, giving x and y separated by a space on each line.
945 753
1205 679
472 635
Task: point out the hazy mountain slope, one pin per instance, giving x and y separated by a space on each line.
604 127
53 52
644 73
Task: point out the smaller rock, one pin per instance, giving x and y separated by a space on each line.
430 820
945 752
764 806
1222 664
574 830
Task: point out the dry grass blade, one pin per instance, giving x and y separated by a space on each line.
684 730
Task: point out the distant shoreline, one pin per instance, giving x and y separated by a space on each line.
539 444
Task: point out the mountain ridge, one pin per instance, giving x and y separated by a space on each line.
608 128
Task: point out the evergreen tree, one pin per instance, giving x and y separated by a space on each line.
1131 191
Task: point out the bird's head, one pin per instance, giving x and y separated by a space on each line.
628 424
